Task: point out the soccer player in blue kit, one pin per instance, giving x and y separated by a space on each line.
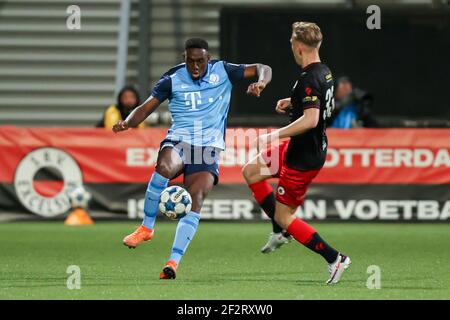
199 93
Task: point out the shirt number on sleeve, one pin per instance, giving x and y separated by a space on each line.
329 103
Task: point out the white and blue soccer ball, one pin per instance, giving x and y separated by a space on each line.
79 197
175 202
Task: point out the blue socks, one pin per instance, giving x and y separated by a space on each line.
186 228
156 185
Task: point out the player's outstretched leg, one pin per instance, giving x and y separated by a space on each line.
168 165
198 184
186 229
263 193
308 236
145 231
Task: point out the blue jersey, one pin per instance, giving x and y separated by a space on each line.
199 107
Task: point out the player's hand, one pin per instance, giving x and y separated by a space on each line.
122 125
282 105
256 88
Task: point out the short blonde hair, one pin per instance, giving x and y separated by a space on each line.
307 32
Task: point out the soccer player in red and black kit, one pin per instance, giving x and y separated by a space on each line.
297 161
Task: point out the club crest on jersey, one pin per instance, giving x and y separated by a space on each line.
214 78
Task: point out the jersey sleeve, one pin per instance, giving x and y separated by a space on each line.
234 71
309 95
163 88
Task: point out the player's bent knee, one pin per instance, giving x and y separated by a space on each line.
251 173
166 169
163 169
246 171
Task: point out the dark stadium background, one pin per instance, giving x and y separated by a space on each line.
404 65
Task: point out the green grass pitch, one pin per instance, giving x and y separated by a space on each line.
223 262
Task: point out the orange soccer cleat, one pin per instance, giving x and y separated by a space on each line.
142 233
169 271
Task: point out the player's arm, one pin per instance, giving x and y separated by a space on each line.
137 115
264 74
309 101
308 95
309 120
311 113
161 92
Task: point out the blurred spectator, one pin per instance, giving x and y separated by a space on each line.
352 109
127 101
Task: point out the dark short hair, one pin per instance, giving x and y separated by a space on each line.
196 43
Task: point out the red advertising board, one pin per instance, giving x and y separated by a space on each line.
358 156
386 174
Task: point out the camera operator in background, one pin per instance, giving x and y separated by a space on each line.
352 109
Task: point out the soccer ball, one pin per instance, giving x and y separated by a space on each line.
79 197
175 202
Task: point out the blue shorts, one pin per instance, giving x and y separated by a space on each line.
195 158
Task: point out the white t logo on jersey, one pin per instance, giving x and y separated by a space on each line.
191 99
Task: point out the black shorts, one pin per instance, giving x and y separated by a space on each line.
195 158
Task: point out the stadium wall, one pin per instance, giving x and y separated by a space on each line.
399 80
370 174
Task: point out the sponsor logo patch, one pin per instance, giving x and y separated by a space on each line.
308 90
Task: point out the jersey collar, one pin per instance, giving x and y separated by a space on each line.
310 65
203 78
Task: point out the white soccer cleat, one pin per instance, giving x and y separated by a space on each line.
337 268
276 240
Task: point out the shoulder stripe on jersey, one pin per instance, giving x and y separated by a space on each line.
213 62
174 69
